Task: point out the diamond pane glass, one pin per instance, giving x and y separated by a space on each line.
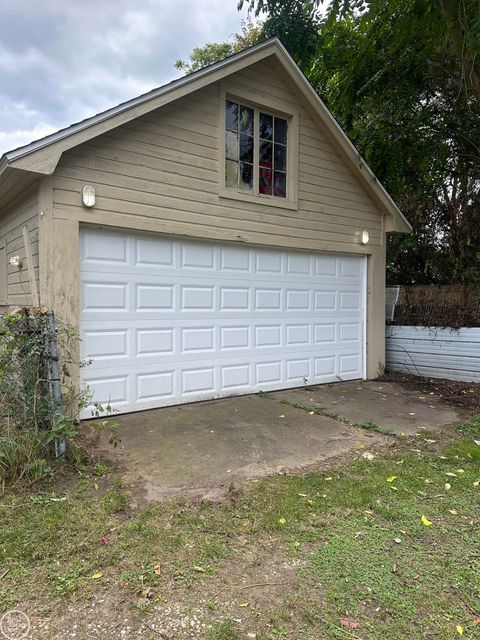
265 154
280 130
231 115
231 173
246 176
280 157
265 181
246 148
246 120
231 145
266 126
280 184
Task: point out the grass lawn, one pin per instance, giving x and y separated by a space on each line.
338 554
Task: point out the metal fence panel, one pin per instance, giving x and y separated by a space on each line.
434 352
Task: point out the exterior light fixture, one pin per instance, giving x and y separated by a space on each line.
365 237
88 195
16 261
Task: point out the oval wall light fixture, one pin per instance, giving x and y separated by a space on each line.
365 237
88 195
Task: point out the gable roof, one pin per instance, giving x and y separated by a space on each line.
42 156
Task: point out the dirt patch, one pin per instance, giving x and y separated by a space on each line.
451 392
253 585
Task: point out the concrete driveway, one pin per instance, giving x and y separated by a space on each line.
200 449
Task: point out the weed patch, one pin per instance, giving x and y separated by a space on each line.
380 548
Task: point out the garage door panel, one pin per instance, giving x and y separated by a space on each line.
166 321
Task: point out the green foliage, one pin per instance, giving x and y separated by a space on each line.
224 630
402 78
31 421
212 52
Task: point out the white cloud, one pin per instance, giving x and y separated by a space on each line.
13 139
64 60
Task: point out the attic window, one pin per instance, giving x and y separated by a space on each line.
239 146
255 151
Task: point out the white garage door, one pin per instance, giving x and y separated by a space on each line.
167 321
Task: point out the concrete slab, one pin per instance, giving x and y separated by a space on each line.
386 404
199 449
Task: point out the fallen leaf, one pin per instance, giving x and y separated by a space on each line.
391 478
104 540
329 478
302 495
97 575
281 415
282 521
312 413
476 483
459 629
451 474
244 605
426 521
400 461
398 540
199 569
350 624
157 568
454 512
448 486
460 470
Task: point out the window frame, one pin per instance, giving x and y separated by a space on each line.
274 107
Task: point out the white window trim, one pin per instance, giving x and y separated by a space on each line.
276 107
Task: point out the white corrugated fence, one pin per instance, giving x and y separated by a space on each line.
434 352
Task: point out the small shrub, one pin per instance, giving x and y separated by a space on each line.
36 413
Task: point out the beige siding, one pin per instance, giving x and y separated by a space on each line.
24 210
161 173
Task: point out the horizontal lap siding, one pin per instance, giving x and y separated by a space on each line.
160 172
434 352
24 211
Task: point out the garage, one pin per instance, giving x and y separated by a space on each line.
216 236
166 321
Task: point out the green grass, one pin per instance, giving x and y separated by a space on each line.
363 553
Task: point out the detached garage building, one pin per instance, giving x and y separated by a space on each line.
216 236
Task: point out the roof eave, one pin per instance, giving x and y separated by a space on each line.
36 158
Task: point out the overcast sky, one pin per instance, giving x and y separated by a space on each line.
64 60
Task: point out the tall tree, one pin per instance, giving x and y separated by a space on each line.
401 76
250 34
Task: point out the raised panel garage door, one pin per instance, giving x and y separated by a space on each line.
166 321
